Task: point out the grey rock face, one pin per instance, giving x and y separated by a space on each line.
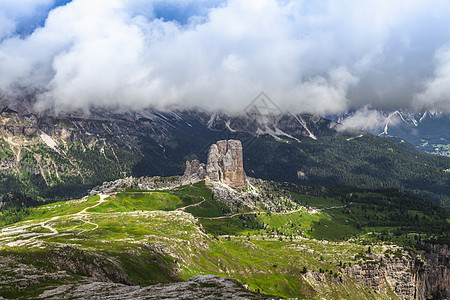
213 169
409 278
434 275
225 164
195 169
198 287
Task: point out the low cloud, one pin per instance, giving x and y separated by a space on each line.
368 119
436 95
308 56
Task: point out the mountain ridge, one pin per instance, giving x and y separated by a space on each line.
427 130
64 157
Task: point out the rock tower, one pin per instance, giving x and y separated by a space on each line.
225 164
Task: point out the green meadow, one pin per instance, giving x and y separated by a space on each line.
171 235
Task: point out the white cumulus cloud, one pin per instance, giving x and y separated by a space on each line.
319 57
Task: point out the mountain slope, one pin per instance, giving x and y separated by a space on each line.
428 131
99 244
65 156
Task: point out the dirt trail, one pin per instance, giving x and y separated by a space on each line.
13 230
252 212
308 211
53 230
231 216
22 230
334 207
84 213
102 199
192 205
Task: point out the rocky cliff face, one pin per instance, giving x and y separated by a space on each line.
195 169
418 277
433 276
225 164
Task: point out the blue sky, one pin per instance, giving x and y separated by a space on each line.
320 57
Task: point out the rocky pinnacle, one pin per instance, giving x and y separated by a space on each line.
225 164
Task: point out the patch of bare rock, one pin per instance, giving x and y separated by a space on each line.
197 287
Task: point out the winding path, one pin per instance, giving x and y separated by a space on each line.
84 213
192 205
250 213
266 212
102 199
53 230
21 231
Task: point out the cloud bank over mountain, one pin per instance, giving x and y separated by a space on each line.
317 57
437 89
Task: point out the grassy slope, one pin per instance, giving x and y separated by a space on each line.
125 227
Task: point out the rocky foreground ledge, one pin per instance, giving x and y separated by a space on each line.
197 287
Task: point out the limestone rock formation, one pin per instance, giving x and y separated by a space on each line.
195 168
225 164
416 277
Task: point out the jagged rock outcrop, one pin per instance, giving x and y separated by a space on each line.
380 275
141 183
433 277
195 169
225 164
417 277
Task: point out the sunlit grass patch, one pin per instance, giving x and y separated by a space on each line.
61 208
